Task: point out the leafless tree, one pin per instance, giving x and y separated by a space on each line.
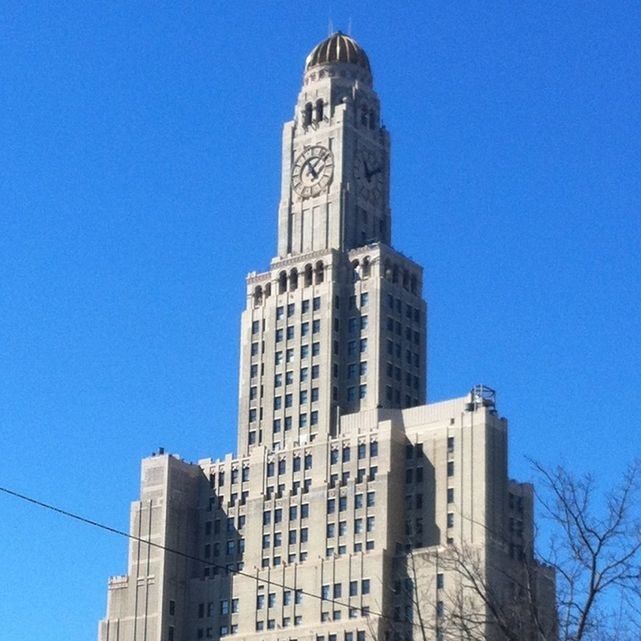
592 556
595 549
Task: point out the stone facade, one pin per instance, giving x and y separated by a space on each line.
347 487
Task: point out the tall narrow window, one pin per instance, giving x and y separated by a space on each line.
319 110
307 115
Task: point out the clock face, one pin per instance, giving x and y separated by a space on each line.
368 172
312 171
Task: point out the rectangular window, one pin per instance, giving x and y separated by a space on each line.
303 374
314 417
289 377
365 586
308 461
450 468
316 303
278 380
304 351
364 299
315 349
304 533
364 322
304 329
290 309
280 311
315 326
362 391
371 499
450 519
290 332
305 306
315 371
279 338
288 400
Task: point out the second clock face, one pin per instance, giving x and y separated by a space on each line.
368 172
312 171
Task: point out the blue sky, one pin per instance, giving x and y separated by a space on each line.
140 159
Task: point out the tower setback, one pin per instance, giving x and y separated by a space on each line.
340 516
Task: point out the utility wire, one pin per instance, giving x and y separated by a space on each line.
127 535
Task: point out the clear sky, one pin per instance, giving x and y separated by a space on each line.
139 181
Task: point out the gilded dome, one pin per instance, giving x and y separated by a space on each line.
338 48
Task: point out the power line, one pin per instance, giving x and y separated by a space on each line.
133 537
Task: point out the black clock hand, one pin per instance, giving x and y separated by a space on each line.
375 171
366 169
311 170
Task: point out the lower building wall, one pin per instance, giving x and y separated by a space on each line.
351 538
149 603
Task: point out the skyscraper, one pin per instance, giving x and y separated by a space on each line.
334 520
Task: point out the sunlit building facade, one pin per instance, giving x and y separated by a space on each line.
343 472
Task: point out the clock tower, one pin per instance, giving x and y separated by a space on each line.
337 325
335 174
335 518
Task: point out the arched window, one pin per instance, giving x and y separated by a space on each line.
293 279
367 266
308 275
319 110
282 282
268 290
307 116
258 296
320 272
355 270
